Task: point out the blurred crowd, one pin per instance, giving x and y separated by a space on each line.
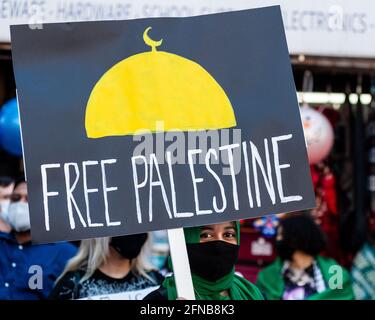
130 268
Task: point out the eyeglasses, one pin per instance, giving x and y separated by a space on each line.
15 197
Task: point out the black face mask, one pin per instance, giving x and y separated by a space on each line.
212 260
284 252
129 246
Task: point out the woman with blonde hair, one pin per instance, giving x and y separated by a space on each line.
108 268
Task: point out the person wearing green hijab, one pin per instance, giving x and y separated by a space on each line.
299 272
213 252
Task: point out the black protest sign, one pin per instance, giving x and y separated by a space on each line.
148 124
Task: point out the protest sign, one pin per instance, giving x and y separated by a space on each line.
159 123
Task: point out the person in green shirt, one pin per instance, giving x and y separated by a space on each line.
213 252
363 270
299 272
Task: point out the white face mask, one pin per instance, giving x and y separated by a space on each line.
18 216
4 206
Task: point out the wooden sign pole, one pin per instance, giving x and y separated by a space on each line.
180 263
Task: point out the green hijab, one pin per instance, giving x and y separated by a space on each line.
238 287
271 282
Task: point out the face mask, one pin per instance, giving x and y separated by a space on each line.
18 216
159 261
129 246
284 252
4 206
212 260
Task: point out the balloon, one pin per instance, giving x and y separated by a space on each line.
318 134
10 134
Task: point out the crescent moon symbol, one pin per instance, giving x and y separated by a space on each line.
152 43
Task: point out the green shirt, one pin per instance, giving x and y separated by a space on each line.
270 281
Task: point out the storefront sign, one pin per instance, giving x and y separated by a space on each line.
320 27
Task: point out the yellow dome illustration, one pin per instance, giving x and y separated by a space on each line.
149 87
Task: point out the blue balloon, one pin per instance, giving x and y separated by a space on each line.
10 132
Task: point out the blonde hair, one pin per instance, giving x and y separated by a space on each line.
93 253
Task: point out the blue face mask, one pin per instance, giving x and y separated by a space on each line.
4 207
18 216
159 261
